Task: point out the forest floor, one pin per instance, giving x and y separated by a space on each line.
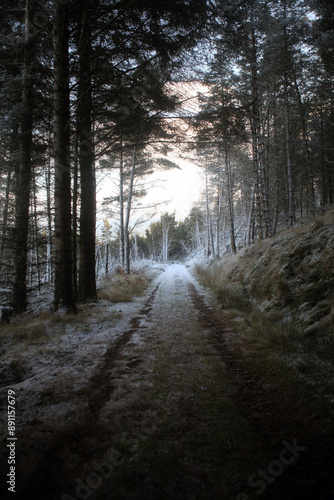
156 399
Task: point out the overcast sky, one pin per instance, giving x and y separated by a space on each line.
178 188
181 187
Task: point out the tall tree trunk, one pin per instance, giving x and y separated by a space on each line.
250 216
9 183
218 222
257 205
63 294
212 241
291 208
107 257
87 280
310 176
5 215
121 210
49 216
198 235
277 169
230 201
165 238
35 219
261 164
23 177
75 210
207 213
330 159
323 200
127 214
219 207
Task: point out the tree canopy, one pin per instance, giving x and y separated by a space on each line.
90 86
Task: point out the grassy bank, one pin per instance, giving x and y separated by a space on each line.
279 296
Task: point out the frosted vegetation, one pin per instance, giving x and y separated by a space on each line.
278 294
147 340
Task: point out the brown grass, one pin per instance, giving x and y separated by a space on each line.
39 329
27 333
119 287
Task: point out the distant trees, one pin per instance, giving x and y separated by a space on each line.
111 61
268 79
166 239
264 133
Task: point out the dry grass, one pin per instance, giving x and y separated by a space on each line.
38 330
26 333
119 287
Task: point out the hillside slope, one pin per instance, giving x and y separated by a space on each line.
279 296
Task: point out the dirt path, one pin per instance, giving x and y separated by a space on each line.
173 412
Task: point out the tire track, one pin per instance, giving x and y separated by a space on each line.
254 396
217 412
101 385
273 415
52 463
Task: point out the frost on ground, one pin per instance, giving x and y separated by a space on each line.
48 360
143 400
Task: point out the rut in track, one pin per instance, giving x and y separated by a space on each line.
174 411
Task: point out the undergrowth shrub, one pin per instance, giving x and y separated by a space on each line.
233 297
121 287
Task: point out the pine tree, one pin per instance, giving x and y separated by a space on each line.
23 172
87 281
63 295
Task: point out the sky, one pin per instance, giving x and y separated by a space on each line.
178 189
175 190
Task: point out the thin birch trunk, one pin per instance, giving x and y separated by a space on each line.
49 217
5 216
230 200
207 213
291 207
121 210
128 212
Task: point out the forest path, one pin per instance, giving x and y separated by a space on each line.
172 412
